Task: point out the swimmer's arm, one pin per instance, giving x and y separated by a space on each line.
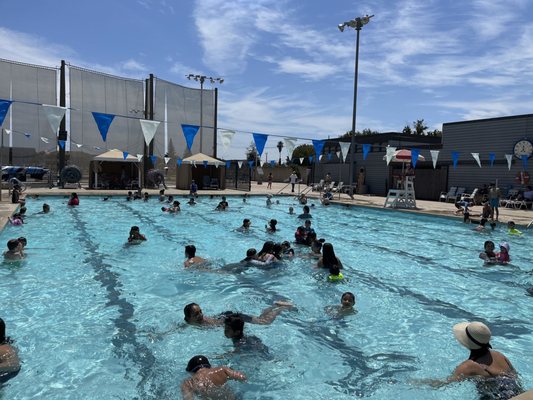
187 392
236 375
9 361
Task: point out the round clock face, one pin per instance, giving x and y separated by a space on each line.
523 148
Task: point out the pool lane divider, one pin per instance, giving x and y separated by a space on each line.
125 340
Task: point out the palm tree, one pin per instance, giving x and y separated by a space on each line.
280 147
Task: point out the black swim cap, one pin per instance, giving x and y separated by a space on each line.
196 363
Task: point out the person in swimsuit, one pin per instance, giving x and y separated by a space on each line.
496 375
328 258
9 360
136 237
234 330
193 315
74 200
208 382
190 254
488 255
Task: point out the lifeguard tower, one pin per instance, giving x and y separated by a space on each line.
403 197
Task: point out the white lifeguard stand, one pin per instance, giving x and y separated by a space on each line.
402 198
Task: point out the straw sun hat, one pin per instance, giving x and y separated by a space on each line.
472 335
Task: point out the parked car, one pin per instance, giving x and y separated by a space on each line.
21 173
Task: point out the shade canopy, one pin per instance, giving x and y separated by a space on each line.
403 156
200 158
115 155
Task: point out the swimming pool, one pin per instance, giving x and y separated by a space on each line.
88 313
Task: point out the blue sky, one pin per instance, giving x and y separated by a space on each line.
287 68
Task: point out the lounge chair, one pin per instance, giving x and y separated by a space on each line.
458 194
214 184
318 186
470 197
338 188
445 195
511 197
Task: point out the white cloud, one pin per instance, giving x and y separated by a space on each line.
307 69
135 66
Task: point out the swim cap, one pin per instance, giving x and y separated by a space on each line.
196 363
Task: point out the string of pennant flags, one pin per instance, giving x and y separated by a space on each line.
103 122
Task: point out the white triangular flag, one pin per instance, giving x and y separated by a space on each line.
240 164
8 131
509 158
46 140
434 157
226 136
390 153
290 144
78 145
167 159
320 157
476 157
194 163
345 146
148 127
139 157
338 154
54 114
301 160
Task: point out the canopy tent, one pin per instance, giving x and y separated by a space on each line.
115 156
201 159
206 171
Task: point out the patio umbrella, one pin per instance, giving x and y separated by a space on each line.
403 156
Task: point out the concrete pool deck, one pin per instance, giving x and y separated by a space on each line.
520 217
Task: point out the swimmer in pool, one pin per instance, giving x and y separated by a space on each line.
511 226
291 210
489 256
208 382
271 227
136 237
14 250
245 227
193 315
190 254
503 256
335 274
191 202
234 330
9 360
345 308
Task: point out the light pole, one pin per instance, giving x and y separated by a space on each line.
357 24
280 147
201 79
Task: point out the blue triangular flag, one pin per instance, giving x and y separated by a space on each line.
260 141
251 164
272 162
524 162
366 150
492 157
205 163
179 161
61 143
189 131
310 159
125 154
103 121
28 135
153 159
4 107
318 146
414 156
329 156
228 164
455 158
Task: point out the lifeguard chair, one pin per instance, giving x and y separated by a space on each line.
403 197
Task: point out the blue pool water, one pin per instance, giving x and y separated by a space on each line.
89 314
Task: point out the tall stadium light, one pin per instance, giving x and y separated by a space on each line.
357 24
202 79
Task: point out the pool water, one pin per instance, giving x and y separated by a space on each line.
93 318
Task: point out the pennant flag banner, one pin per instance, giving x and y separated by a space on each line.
8 131
139 157
4 107
97 148
103 121
476 157
125 154
250 164
194 163
272 162
260 141
149 128
318 145
524 162
320 157
301 160
240 164
167 159
414 156
228 164
329 156
179 161
61 144
310 159
28 135
366 150
226 137
290 144
345 146
338 153
390 153
153 159
509 158
78 145
46 140
434 157
189 131
455 158
55 114
492 158
205 163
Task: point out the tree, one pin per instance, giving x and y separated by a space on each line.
303 150
419 127
435 132
365 132
407 130
251 152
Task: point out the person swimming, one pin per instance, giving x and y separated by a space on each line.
136 237
335 274
488 255
234 330
328 258
207 381
9 360
503 256
271 227
245 227
345 308
511 226
14 250
191 258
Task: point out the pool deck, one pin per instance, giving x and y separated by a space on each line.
520 217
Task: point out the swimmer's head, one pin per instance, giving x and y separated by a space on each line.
306 209
285 245
176 203
251 252
334 270
307 223
190 251
272 223
13 244
23 210
233 326
291 210
46 208
162 192
164 209
347 300
489 245
504 247
23 241
511 225
193 314
134 229
196 363
246 222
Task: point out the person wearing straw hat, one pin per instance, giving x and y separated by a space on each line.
483 362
